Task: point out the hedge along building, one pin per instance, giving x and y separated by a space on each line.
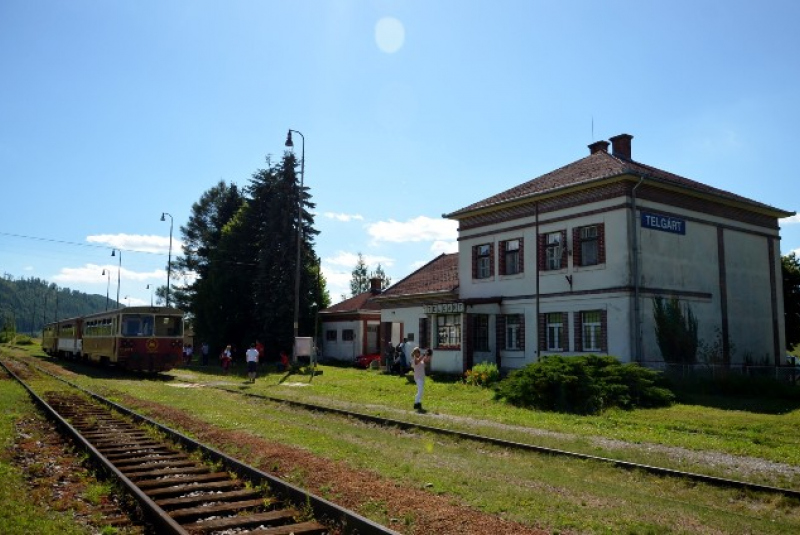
571 262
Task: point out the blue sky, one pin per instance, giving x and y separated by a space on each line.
112 112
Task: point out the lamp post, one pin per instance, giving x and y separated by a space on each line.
169 258
289 143
107 273
119 269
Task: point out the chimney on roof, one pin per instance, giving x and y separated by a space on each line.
621 146
375 285
598 146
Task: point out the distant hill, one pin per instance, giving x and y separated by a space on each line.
30 303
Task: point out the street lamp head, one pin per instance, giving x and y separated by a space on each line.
104 272
113 252
162 216
289 142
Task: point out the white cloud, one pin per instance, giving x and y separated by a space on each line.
344 217
418 264
790 220
350 260
93 274
137 242
438 247
414 230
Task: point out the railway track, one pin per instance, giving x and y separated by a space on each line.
460 435
182 486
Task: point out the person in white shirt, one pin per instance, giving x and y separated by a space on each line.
418 364
252 362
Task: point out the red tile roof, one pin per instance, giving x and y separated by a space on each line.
440 275
362 302
598 166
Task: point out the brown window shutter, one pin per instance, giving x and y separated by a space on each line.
576 247
522 331
563 249
491 260
500 332
542 332
578 322
604 330
469 341
501 261
423 332
521 255
565 331
540 256
601 243
474 261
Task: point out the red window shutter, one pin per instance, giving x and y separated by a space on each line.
491 260
578 321
563 249
501 262
522 331
565 331
522 255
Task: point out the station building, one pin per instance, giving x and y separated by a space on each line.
571 263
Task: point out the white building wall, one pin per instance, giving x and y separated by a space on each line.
343 350
749 298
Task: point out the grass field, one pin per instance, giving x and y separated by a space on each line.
557 494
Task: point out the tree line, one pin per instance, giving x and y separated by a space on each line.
238 266
26 305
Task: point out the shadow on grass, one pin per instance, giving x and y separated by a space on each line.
761 395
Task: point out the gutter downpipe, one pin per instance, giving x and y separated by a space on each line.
538 252
637 319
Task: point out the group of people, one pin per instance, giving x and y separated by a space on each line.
252 356
419 359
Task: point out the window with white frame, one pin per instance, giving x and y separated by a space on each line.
554 247
511 259
555 331
448 330
483 259
592 326
590 246
515 332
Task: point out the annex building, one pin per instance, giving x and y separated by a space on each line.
572 262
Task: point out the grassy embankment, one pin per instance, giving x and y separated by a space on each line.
18 512
550 492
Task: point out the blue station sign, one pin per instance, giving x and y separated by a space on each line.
664 223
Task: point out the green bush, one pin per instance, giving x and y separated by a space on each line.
583 385
23 340
482 374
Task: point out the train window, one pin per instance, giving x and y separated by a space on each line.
169 326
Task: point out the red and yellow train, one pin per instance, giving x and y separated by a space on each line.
133 338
